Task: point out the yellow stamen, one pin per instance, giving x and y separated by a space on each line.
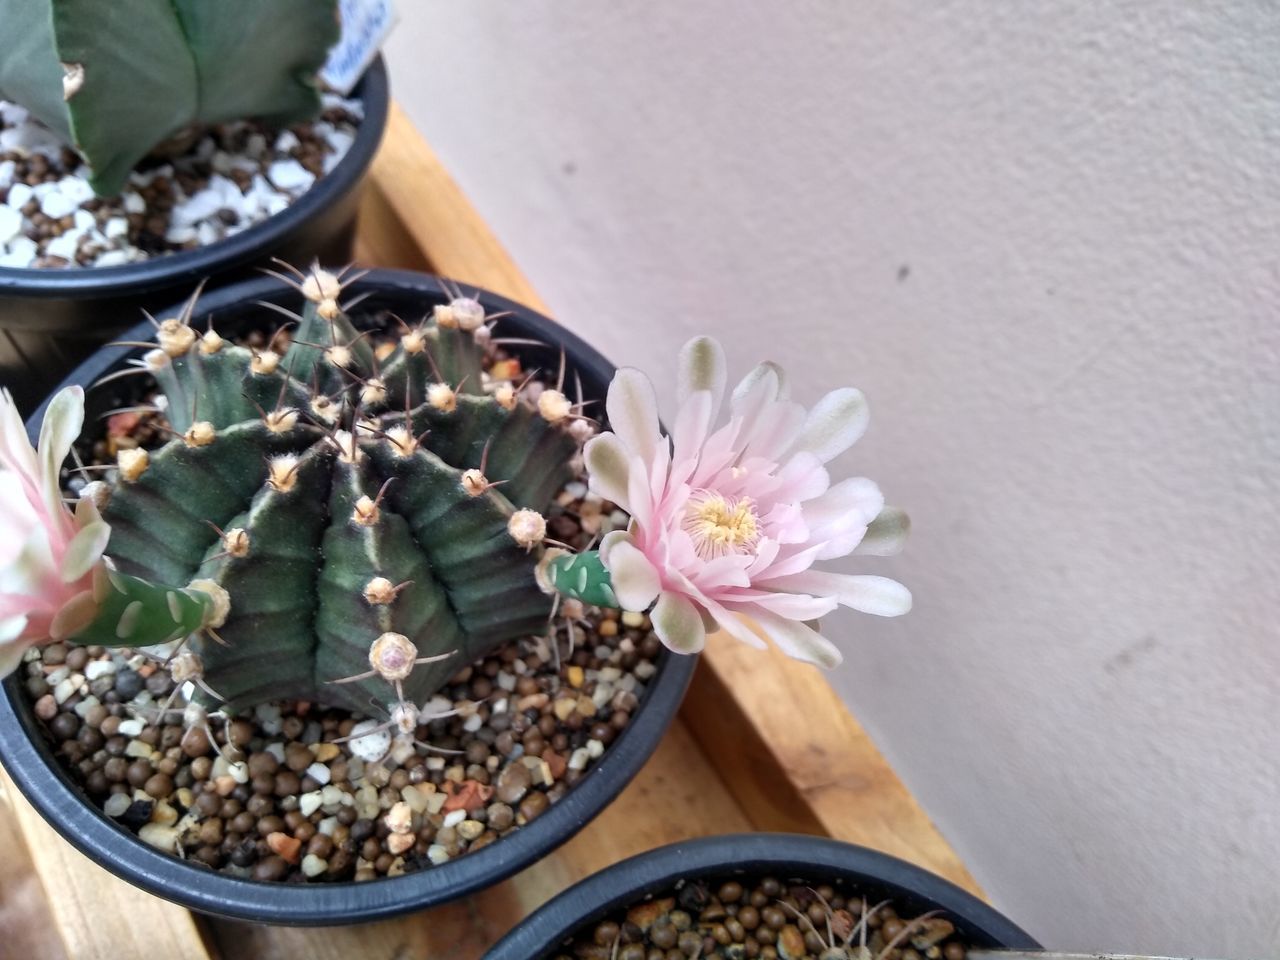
720 525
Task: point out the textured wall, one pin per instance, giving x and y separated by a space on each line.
1044 241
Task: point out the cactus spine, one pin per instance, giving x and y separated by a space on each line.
332 523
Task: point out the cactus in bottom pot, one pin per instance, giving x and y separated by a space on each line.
326 525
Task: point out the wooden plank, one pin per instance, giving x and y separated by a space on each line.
773 727
677 795
27 926
98 916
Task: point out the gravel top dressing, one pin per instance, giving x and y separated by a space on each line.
233 176
766 918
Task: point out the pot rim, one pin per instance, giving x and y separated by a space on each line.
50 789
131 279
751 854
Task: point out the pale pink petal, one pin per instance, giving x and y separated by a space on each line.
793 606
633 413
775 431
701 367
635 581
84 550
608 541
11 627
835 423
62 422
733 625
678 624
692 423
608 470
791 560
800 641
764 371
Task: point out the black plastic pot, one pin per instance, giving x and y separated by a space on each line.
815 860
30 762
50 320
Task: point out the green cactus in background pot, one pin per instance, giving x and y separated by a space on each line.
118 78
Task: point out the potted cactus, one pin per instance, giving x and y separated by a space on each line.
349 597
770 895
144 146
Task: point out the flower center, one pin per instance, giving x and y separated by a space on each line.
721 525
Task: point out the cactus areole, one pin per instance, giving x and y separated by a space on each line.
339 521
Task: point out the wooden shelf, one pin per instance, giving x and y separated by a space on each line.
762 742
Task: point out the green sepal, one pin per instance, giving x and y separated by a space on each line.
579 576
133 612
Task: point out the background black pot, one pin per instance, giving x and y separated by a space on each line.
50 320
785 856
30 762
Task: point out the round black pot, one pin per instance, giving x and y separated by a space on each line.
854 869
27 756
50 320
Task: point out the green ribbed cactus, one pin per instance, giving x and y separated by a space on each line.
116 78
330 526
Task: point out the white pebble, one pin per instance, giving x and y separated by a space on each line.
290 175
579 759
137 749
454 817
402 749
133 202
55 204
7 171
159 836
131 727
180 234
84 220
332 796
473 723
23 251
327 826
506 681
199 206
10 224
19 194
116 806
99 668
309 803
239 771
437 854
276 749
313 866
595 748
645 669
286 141
64 246
319 773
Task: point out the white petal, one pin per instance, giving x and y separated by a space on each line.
799 640
835 423
10 630
84 550
869 594
608 541
635 581
62 422
794 606
11 653
15 448
607 469
852 501
633 412
701 367
732 624
778 390
678 624
886 535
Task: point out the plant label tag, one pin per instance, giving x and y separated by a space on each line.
365 26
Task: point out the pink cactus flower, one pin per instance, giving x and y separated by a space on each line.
728 522
47 552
